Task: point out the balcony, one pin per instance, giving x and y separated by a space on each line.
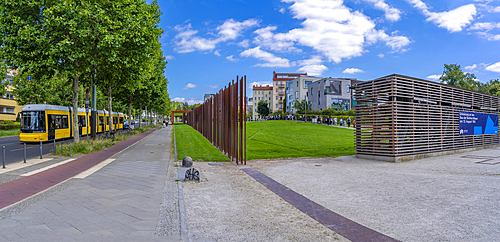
281 85
281 93
280 101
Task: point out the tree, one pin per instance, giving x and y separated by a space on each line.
300 106
262 108
454 76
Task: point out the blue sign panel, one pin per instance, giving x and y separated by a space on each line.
472 123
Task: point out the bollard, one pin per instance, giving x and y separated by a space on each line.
40 149
55 146
24 152
3 160
69 149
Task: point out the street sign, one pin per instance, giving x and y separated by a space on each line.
87 97
29 78
87 91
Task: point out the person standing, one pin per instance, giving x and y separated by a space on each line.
349 122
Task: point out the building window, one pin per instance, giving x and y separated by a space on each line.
319 99
276 98
276 105
348 88
276 90
269 98
297 83
296 95
266 95
306 83
327 88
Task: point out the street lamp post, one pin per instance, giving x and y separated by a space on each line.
305 108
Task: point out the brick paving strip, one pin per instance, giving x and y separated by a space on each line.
341 225
22 188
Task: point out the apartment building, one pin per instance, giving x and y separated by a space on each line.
279 88
333 93
8 105
297 90
261 93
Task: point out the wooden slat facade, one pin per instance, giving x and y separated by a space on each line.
401 116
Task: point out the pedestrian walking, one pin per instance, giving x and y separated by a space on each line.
349 122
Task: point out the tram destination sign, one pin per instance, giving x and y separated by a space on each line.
472 123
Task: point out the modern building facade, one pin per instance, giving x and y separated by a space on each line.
260 93
279 89
331 93
297 90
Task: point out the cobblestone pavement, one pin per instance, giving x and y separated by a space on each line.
120 202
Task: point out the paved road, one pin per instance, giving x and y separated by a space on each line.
14 149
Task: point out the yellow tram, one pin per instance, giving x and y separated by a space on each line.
41 122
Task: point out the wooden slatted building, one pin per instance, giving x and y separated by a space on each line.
402 118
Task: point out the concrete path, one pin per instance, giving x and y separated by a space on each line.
125 200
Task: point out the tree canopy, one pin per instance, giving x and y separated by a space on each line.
61 43
263 108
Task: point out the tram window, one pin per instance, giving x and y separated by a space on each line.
115 120
101 120
61 121
64 120
121 120
32 121
81 121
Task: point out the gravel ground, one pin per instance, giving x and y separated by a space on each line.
447 198
231 206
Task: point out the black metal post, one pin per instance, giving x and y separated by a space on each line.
3 160
40 149
24 152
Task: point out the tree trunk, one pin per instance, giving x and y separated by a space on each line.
110 120
130 113
76 131
140 115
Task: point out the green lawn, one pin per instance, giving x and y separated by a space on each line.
276 139
283 139
191 143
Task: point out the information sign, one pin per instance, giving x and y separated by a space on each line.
472 123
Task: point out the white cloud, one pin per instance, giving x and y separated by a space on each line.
434 77
261 83
231 58
270 59
169 57
453 20
282 10
190 85
194 100
352 71
334 30
484 26
217 53
178 99
469 68
391 14
381 55
214 86
231 29
312 66
483 29
494 68
492 9
245 43
276 42
186 40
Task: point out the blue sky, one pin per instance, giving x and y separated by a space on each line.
208 43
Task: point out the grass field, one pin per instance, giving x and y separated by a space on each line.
191 143
273 140
284 139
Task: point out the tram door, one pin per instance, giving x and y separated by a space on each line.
52 127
